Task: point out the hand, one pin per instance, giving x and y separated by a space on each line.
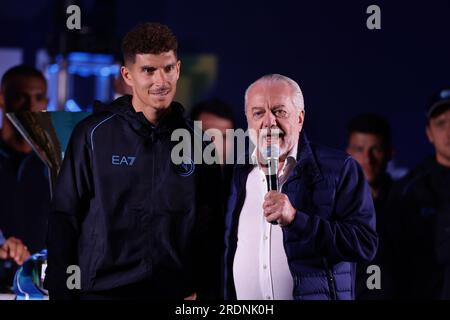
277 207
14 249
191 297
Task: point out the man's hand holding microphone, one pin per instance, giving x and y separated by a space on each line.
276 207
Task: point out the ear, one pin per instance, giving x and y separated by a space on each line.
126 75
429 134
178 67
301 117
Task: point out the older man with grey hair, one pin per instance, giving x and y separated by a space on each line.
303 240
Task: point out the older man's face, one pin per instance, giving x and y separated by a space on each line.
270 105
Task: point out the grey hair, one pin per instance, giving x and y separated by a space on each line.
297 96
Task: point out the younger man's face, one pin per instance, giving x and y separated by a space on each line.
25 94
368 150
224 145
438 132
153 79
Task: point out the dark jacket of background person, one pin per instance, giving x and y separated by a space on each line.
385 255
333 229
25 197
142 228
24 204
422 204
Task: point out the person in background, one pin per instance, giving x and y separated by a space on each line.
216 114
370 144
13 249
422 202
24 185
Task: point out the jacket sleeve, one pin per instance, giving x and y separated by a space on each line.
442 229
2 238
209 235
348 234
229 292
69 205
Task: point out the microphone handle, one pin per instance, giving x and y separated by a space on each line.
272 184
272 174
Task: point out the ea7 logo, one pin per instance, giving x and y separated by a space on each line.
122 160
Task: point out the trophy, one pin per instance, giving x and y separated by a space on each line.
48 134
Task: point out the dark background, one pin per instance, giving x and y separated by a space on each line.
342 67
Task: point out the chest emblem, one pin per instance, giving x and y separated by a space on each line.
118 160
186 168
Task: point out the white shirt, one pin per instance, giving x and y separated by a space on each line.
260 267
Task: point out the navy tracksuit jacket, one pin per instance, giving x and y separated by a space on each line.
136 224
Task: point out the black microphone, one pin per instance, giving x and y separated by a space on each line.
272 155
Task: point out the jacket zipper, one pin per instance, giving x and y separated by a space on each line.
330 279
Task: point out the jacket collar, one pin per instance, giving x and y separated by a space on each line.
291 155
306 162
172 120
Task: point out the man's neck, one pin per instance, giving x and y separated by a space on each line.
12 138
151 114
377 185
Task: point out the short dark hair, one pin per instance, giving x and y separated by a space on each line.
373 124
214 106
22 70
149 37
